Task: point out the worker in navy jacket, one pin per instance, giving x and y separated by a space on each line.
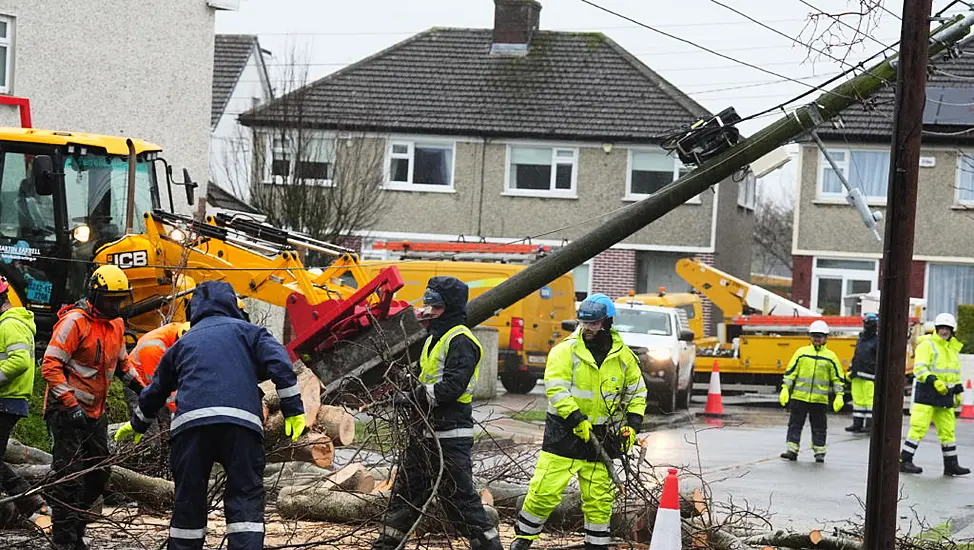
215 368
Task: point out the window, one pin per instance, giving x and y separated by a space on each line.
650 171
834 279
6 52
303 159
542 171
641 321
420 166
948 286
865 169
582 277
965 180
747 191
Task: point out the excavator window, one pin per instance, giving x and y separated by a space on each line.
96 187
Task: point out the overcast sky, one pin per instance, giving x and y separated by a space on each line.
330 34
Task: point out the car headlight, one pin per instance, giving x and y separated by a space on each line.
659 354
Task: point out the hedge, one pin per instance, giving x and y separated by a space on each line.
965 326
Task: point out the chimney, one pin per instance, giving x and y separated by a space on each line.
514 23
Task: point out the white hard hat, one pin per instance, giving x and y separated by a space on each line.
945 320
929 327
818 327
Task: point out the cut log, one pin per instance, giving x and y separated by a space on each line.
813 539
310 388
310 447
18 453
353 477
487 497
337 424
152 492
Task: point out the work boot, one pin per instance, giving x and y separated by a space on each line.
29 505
521 544
908 467
952 468
820 457
787 455
867 426
856 426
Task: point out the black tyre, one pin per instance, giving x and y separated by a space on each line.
518 382
665 397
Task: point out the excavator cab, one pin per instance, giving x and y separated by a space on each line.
62 196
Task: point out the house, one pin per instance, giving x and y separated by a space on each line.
146 73
835 255
514 132
240 83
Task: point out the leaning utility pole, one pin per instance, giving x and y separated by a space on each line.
882 481
710 173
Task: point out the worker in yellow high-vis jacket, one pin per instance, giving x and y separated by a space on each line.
936 368
813 372
595 389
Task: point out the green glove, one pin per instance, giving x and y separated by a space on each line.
939 385
784 396
294 426
583 430
628 436
838 402
125 431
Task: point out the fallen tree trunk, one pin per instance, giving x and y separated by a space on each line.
797 540
18 453
151 492
337 424
314 448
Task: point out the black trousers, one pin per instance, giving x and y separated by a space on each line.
816 413
240 451
11 483
75 449
456 495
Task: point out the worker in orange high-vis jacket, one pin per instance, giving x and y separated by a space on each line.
149 351
87 348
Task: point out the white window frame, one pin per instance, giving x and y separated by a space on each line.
845 275
293 162
410 156
958 181
747 191
8 42
591 276
677 166
840 197
551 192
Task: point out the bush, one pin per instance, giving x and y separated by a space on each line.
32 431
965 327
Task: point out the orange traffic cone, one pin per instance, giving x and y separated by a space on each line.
666 530
967 410
715 405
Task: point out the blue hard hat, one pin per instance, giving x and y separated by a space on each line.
595 308
870 319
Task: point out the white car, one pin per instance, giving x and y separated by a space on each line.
661 338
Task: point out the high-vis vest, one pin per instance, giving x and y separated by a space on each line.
433 361
17 331
149 351
812 373
573 381
935 356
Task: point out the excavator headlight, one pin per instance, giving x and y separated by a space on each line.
177 235
81 233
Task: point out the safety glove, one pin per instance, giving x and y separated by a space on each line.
294 426
957 389
838 402
958 399
784 396
125 431
939 385
583 430
628 436
77 417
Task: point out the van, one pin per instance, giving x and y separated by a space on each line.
526 331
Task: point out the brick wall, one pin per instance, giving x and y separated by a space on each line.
709 323
614 272
801 280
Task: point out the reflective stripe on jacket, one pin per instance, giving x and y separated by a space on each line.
149 351
812 373
17 330
449 366
936 359
84 353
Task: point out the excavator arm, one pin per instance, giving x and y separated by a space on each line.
735 297
327 307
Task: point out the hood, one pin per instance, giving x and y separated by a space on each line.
454 293
214 298
22 314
